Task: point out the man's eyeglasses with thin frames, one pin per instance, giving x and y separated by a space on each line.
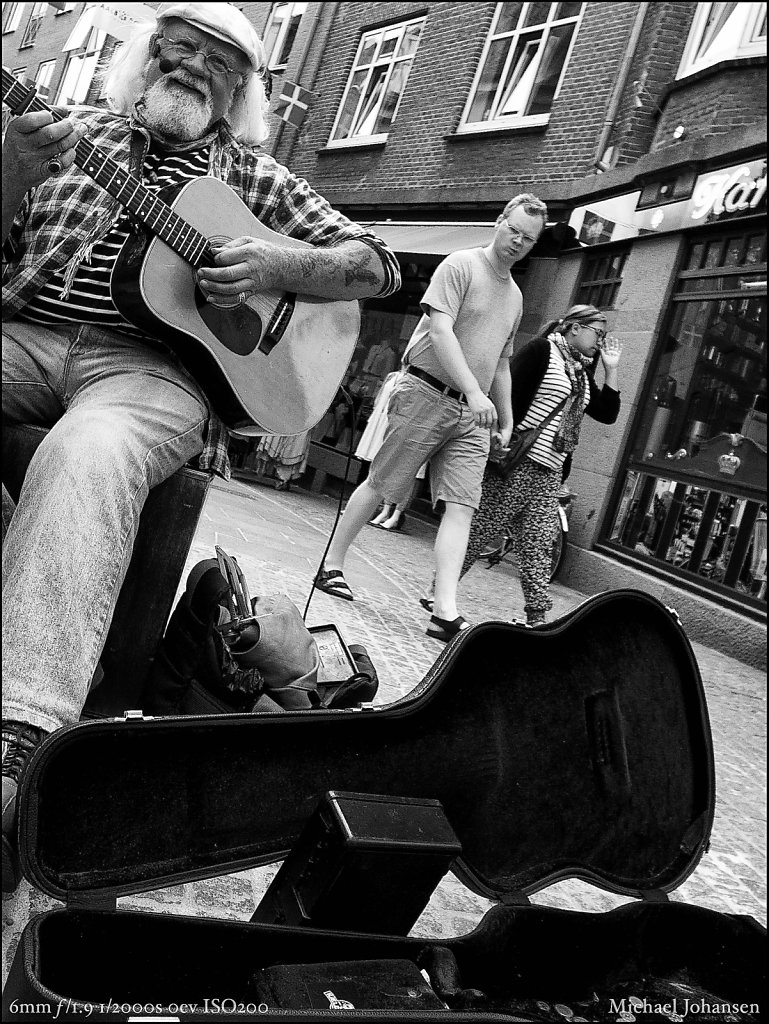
517 233
185 49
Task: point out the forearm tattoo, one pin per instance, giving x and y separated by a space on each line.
349 270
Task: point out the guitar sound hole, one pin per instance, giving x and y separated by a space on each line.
238 328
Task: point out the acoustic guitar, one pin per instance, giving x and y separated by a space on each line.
271 365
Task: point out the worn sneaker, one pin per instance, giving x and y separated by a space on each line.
19 743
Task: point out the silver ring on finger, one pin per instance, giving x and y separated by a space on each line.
242 296
55 166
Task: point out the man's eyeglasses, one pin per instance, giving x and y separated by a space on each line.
185 49
518 234
601 335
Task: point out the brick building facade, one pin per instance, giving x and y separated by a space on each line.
642 125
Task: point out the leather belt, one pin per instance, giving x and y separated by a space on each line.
437 384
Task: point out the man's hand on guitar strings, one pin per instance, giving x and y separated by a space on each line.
36 146
243 265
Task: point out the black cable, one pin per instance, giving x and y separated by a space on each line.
353 427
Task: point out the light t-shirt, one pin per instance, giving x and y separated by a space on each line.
486 308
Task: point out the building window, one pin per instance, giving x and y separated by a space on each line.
19 74
377 83
280 33
80 70
12 16
601 278
30 32
43 78
522 66
724 31
686 504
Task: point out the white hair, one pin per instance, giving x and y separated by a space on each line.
123 84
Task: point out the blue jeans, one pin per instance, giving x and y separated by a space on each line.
122 417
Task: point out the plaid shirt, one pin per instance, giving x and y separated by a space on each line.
60 220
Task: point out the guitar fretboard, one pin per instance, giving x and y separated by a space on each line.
144 205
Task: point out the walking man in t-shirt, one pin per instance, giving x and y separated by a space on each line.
455 392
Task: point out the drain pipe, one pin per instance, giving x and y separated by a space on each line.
619 87
320 19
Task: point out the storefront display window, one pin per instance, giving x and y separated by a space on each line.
694 494
386 327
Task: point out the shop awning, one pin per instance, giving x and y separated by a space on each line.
431 239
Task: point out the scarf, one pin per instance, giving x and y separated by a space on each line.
575 364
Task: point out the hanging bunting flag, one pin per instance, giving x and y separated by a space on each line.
120 20
293 103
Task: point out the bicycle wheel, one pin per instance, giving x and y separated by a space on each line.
558 552
496 551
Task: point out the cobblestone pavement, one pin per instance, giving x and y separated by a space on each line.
279 539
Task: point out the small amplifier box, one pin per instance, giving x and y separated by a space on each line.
364 862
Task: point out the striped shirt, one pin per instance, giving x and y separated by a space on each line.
89 300
554 388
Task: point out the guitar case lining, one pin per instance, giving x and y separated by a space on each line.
579 749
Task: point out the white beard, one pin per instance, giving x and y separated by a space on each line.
175 113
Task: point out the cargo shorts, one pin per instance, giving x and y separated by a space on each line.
424 425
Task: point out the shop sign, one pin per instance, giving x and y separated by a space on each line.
723 194
732 191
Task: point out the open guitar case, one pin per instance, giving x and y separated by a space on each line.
581 749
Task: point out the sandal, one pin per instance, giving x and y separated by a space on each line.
446 629
332 581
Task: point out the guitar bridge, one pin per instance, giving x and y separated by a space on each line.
277 327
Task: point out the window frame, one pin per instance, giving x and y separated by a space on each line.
280 39
513 121
36 16
14 18
45 85
94 45
379 137
747 47
613 281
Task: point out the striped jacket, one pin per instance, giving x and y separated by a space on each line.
527 370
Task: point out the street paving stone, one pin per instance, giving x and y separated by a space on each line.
279 540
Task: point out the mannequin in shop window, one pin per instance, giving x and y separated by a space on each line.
391 515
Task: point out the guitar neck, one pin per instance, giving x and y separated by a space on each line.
140 202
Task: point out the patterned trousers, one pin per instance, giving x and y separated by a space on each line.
528 504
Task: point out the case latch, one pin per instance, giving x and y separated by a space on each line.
655 896
136 715
95 900
516 899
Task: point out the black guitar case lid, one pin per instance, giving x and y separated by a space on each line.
578 749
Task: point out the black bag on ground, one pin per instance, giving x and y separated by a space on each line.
215 658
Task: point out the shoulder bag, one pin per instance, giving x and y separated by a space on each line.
520 443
